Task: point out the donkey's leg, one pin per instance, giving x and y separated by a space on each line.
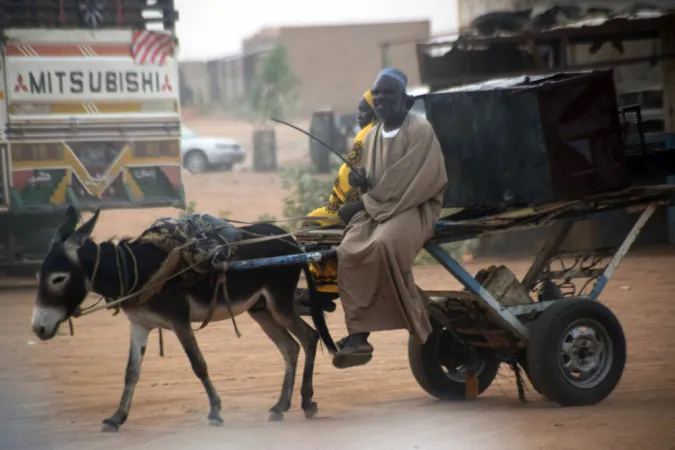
139 341
289 350
187 339
308 338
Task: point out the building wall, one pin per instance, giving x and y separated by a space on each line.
196 78
336 64
221 82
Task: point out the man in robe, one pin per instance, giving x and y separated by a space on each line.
324 273
403 179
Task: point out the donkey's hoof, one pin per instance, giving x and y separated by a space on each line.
311 410
274 416
110 427
216 421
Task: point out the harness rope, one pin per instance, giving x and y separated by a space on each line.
109 305
219 282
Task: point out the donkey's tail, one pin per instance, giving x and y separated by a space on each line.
318 316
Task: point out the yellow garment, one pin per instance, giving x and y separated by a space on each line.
369 98
342 192
325 273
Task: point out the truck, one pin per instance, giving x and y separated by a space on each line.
89 116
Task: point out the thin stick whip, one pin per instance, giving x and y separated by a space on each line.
316 139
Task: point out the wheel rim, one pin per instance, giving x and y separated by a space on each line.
456 370
585 353
196 163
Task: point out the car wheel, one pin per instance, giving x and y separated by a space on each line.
196 161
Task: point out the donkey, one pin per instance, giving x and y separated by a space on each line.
76 265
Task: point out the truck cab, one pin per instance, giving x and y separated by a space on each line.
89 116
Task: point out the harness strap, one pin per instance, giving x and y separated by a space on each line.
220 285
122 269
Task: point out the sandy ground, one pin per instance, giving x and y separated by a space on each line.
55 394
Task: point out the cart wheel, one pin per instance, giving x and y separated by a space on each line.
440 365
577 352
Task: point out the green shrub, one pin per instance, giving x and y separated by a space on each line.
306 192
266 218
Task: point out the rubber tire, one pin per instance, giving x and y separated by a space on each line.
542 355
430 376
196 154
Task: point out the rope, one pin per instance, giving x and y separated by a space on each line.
97 262
133 259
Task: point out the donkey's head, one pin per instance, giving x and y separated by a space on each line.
63 282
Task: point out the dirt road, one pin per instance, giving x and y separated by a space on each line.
62 389
55 394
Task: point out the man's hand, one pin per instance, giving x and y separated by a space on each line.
357 178
348 211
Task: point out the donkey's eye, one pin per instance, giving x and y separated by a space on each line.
59 279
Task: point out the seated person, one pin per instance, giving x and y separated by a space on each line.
324 274
402 180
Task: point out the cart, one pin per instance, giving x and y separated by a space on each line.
550 324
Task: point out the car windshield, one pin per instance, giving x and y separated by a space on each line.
187 133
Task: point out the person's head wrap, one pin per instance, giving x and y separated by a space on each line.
368 96
394 74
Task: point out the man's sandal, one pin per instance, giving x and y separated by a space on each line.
352 356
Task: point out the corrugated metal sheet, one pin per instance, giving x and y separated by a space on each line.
440 45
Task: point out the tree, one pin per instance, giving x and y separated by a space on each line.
273 90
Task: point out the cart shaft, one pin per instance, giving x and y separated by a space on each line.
277 261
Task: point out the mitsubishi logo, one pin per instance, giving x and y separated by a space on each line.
166 86
20 85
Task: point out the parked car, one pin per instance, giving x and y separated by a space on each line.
201 153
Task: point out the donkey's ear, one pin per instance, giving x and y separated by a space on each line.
67 228
82 233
